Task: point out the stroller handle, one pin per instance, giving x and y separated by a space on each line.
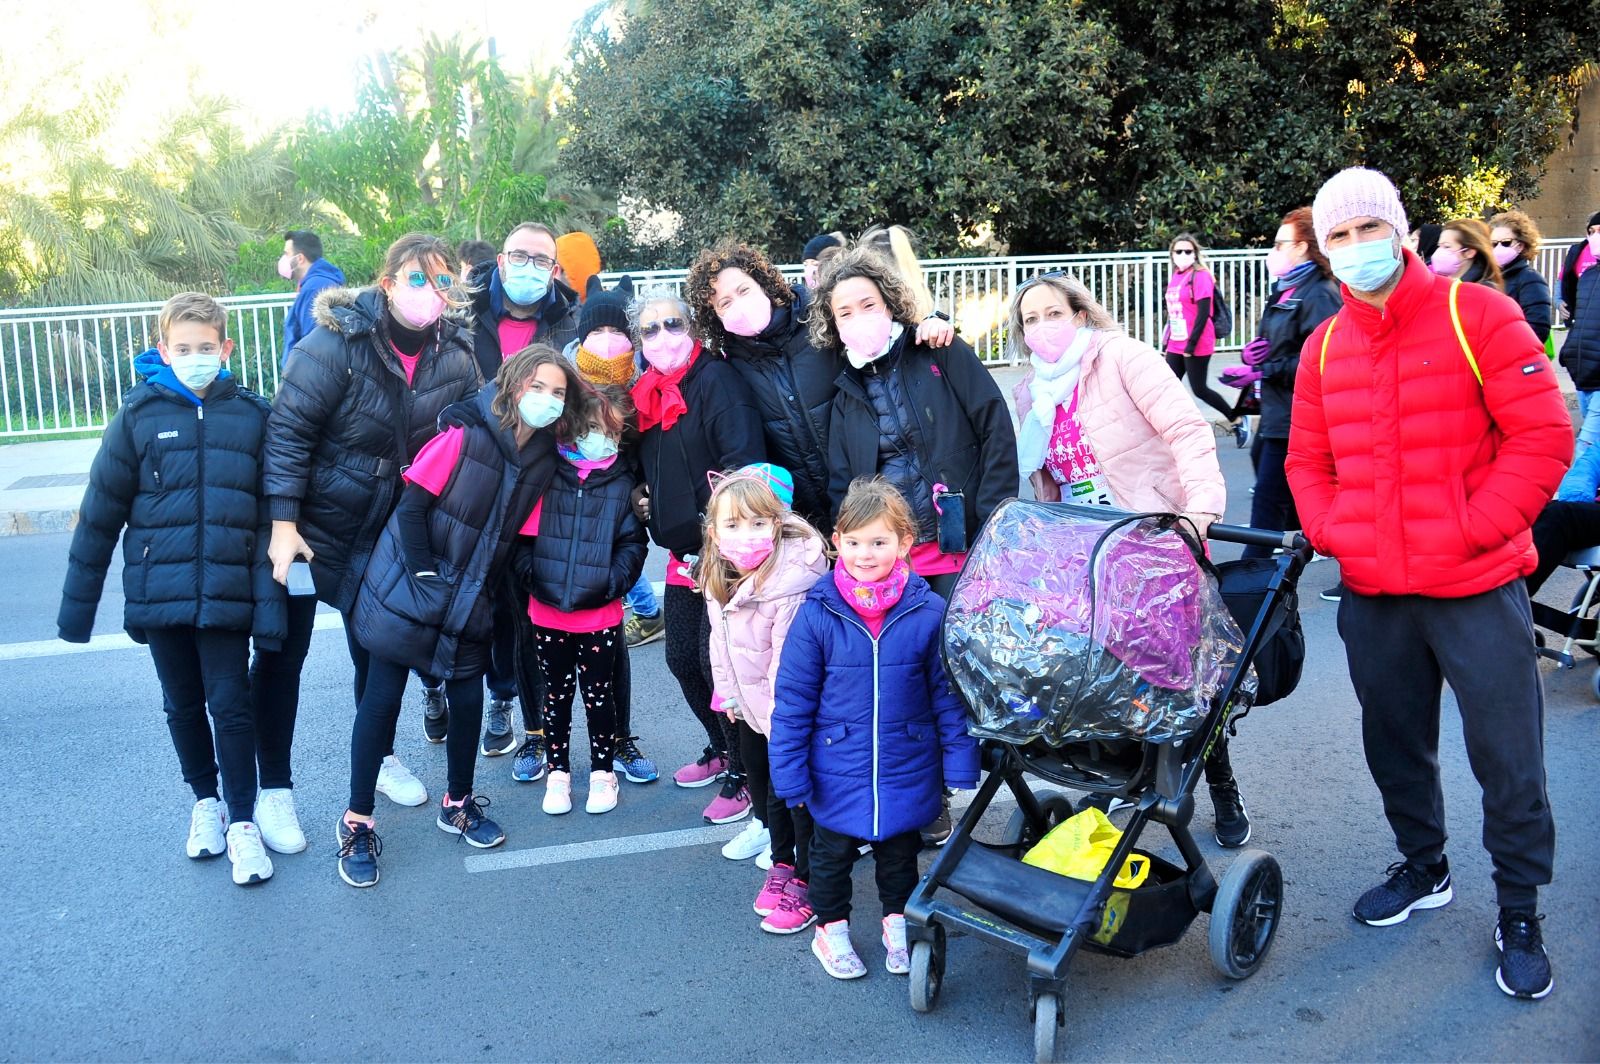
1257 537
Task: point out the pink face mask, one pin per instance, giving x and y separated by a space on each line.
286 267
745 550
865 335
1279 262
667 353
1594 243
1049 340
1506 256
747 315
417 307
608 345
1445 262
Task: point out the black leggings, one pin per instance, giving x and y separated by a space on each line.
688 638
201 669
834 855
1197 366
790 828
565 658
372 737
275 692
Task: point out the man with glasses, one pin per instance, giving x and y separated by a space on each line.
523 300
302 263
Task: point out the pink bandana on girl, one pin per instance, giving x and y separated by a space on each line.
875 599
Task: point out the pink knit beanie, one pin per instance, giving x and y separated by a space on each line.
1356 193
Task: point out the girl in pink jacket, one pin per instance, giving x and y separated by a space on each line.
758 563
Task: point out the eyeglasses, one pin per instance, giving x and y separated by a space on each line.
1505 243
184 350
522 258
1182 253
418 279
675 326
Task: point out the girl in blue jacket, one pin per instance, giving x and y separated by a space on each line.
866 733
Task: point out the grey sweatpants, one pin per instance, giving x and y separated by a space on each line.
1400 649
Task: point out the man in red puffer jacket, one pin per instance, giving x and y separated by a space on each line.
1428 432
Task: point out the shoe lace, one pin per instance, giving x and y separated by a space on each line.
1403 875
733 787
707 756
530 746
362 838
1521 931
628 749
469 814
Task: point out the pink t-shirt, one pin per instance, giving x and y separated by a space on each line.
409 364
437 461
1184 291
1072 462
677 572
515 334
928 560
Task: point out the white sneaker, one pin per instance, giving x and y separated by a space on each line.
396 783
764 859
250 861
207 823
748 843
602 792
558 793
277 822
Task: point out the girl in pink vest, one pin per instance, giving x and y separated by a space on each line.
758 563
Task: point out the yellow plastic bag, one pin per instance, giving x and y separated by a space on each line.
1081 845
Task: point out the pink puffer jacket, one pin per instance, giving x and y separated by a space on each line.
1157 452
747 634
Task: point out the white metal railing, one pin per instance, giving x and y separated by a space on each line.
63 370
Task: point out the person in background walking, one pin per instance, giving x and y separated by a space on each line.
1516 243
1190 337
1428 434
1580 257
1580 305
197 583
1466 254
302 263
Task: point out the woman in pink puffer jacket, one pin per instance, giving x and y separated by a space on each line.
758 564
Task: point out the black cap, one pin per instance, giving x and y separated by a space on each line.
603 306
818 244
1594 219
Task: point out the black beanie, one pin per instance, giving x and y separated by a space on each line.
818 244
1594 219
602 306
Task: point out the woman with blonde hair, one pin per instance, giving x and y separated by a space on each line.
1190 337
1465 254
1514 240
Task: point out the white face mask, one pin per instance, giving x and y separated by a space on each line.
196 370
538 409
596 446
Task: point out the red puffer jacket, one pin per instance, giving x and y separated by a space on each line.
1416 477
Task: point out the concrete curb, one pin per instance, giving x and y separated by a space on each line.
36 522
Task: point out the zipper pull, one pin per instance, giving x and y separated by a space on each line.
200 413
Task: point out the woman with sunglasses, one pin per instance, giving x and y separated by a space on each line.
1464 253
1189 338
696 417
359 397
1514 239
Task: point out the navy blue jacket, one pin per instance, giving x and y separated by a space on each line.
300 320
184 476
1581 351
1532 292
590 548
867 732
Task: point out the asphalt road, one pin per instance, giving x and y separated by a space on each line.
643 946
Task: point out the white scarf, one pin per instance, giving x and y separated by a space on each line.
1052 386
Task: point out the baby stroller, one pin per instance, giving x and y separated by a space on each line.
1121 696
1575 624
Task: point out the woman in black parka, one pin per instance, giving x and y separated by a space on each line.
358 399
696 416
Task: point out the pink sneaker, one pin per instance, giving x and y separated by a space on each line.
707 769
772 889
897 958
831 944
793 912
732 804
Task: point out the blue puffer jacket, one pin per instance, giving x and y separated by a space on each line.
867 733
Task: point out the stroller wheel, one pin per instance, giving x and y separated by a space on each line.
1596 683
1245 914
927 974
1046 1024
1024 835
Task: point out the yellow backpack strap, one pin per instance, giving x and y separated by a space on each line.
1322 363
1461 334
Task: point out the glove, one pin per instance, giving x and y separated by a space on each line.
728 706
462 415
1255 352
1239 376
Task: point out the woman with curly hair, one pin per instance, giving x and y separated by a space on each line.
1515 241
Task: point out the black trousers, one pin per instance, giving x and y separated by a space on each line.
1401 649
1196 368
372 737
275 692
1272 506
570 661
834 855
688 639
205 669
790 828
1562 528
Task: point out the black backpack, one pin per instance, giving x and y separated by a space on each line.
1283 647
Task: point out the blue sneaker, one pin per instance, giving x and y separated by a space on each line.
633 764
529 764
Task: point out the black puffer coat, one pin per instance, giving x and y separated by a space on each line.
721 430
1532 293
929 417
793 385
443 625
1581 351
590 548
344 424
1285 324
557 316
186 481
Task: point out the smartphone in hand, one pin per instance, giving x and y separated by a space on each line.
300 582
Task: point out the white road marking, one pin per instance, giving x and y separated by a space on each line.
50 648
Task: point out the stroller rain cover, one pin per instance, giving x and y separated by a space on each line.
1072 623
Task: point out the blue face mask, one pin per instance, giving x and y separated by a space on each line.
539 409
596 446
1366 266
525 285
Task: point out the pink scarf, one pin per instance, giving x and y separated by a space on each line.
873 600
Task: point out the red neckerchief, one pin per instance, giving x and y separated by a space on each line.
658 398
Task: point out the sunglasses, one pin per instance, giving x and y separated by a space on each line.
418 279
1183 253
675 326
1505 243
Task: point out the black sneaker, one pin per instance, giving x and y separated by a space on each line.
499 736
359 847
435 714
937 832
1334 593
1409 886
1233 822
1524 970
468 821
